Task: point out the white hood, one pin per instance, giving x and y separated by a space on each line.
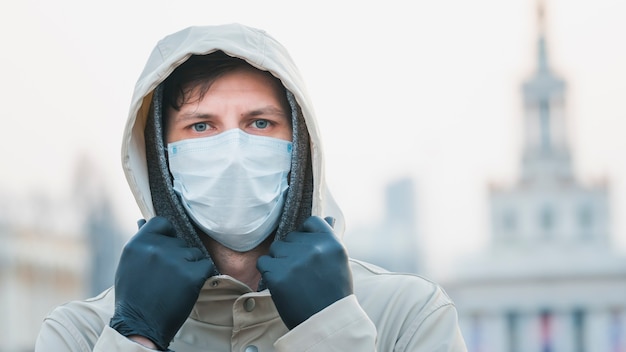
254 46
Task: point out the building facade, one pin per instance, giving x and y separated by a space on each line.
53 250
549 280
38 271
392 243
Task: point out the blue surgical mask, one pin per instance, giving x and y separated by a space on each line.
232 185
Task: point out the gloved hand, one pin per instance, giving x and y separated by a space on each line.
306 271
157 283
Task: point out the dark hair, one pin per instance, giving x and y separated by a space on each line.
197 74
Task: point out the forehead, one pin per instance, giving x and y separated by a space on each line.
196 75
242 78
247 78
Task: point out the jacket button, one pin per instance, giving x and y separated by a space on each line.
249 305
251 348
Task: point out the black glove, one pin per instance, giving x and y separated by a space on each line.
306 271
157 283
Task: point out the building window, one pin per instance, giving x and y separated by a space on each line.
585 220
475 338
616 331
509 222
547 220
512 327
545 332
578 320
544 121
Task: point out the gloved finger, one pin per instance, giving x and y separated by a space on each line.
201 269
193 254
267 265
294 237
159 225
316 224
140 223
289 246
264 264
331 221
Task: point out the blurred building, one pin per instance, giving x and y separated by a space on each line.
392 243
549 280
39 269
53 250
99 225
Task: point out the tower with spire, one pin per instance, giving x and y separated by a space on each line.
548 207
546 152
549 279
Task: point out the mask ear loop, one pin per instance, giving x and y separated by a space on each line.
299 197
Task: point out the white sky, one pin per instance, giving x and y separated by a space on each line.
426 89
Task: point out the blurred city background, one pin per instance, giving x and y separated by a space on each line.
475 143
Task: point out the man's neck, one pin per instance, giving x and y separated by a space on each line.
239 265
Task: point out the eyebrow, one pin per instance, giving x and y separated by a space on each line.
267 110
193 116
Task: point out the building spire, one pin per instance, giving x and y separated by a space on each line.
546 151
542 55
541 15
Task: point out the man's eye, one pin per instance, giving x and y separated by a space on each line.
200 127
261 124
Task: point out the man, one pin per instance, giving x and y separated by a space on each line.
239 253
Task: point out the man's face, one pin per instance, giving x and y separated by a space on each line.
246 99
